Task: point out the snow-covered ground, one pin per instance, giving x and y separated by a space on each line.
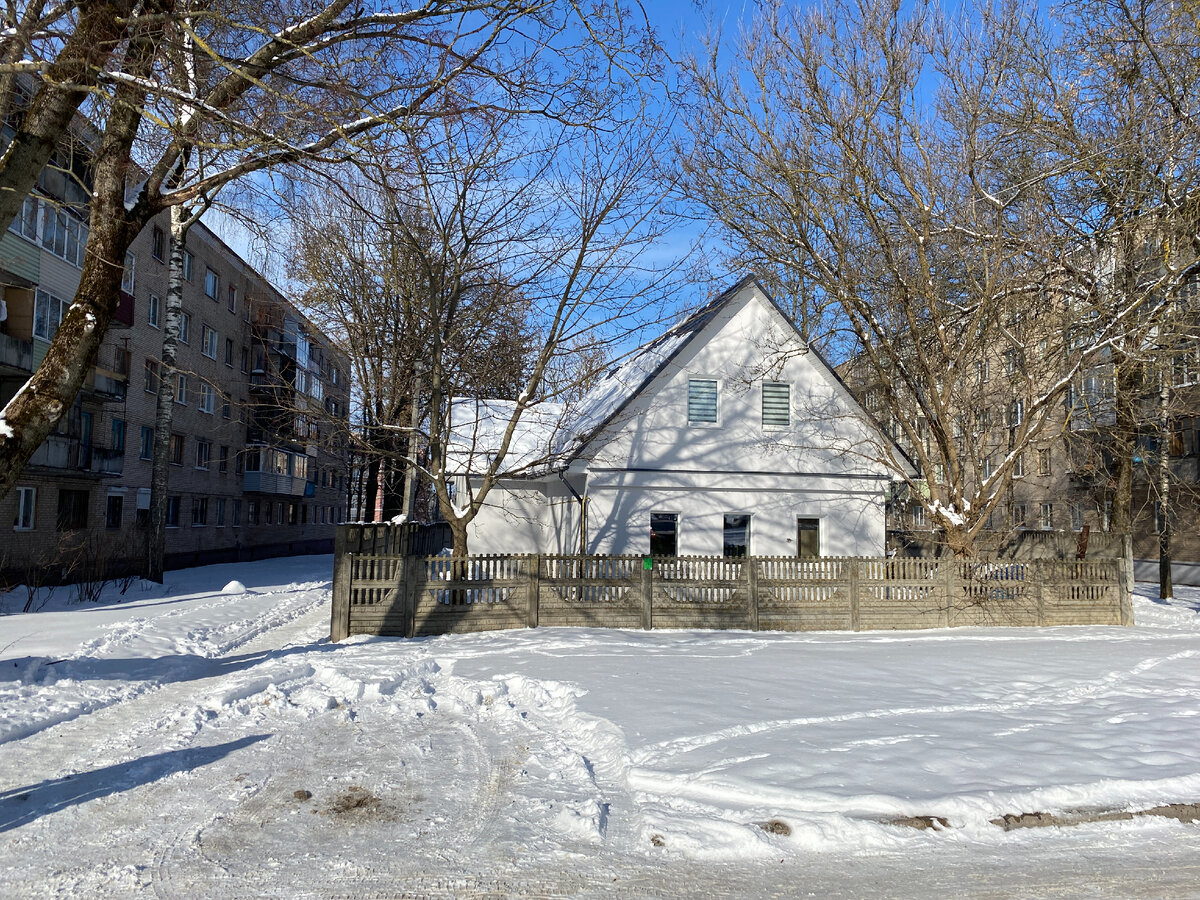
204 739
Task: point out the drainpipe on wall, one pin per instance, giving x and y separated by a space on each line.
582 513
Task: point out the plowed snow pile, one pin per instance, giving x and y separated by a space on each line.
204 738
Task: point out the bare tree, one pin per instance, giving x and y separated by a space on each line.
269 85
506 247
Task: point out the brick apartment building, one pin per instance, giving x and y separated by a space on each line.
257 467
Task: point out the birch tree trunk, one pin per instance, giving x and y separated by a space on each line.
181 222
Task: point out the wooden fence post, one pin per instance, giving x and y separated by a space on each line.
948 586
533 587
648 595
752 589
852 590
412 593
339 618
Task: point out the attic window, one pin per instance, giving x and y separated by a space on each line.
776 404
702 401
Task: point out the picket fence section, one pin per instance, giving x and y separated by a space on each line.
413 595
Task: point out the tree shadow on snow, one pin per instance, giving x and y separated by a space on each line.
23 805
158 669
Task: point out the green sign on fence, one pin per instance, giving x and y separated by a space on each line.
648 563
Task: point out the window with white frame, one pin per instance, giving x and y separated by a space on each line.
212 283
1044 461
1047 518
63 234
127 274
158 243
231 295
208 341
203 454
199 512
48 312
736 537
1019 466
1018 515
208 397
702 401
1076 517
181 389
26 507
776 403
153 309
185 328
189 263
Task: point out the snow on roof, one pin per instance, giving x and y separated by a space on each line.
477 430
550 433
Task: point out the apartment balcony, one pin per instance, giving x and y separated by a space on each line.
15 353
70 454
273 483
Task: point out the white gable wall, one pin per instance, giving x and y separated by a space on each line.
651 459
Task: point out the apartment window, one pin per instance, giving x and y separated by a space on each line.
291 514
1076 517
664 534
72 510
176 453
736 535
226 408
48 312
223 460
229 352
304 514
918 515
1019 466
252 513
776 404
26 507
185 328
153 310
237 514
220 512
158 243
982 371
150 384
1044 461
208 397
1016 413
212 284
1012 362
269 513
147 449
1018 515
188 265
172 512
118 435
181 389
25 222
63 234
702 401
199 512
232 298
323 512
245 360
113 510
208 341
127 274
203 454
985 467
808 538
1047 518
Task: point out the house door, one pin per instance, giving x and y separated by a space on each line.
808 538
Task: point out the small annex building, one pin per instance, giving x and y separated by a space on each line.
726 435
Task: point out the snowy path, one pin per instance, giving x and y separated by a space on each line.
212 744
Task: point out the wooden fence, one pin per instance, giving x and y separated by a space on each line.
411 596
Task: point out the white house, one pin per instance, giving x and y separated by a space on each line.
725 435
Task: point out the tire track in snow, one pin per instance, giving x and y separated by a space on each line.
664 751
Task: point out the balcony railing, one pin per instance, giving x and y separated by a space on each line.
16 353
272 483
63 452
